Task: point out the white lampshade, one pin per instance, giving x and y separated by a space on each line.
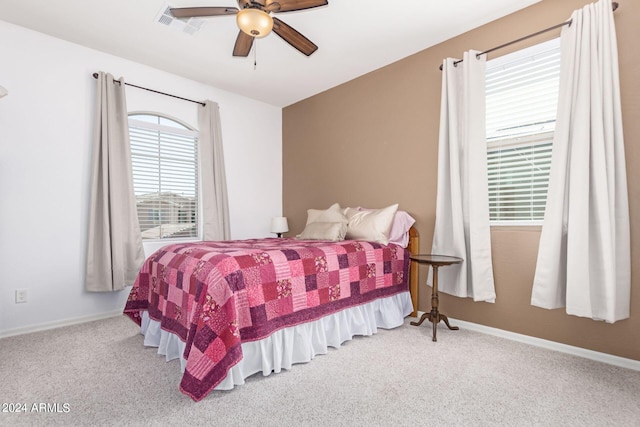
254 22
3 91
279 224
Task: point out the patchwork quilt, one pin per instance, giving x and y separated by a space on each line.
216 295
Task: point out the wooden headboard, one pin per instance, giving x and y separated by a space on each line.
414 248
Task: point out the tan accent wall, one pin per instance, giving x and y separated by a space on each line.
373 142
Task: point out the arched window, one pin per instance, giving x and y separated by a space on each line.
164 157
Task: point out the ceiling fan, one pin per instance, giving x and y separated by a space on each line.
255 21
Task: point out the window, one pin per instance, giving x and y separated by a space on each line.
522 96
164 157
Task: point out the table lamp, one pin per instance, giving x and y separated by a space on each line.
279 225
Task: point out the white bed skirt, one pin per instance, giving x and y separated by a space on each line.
295 344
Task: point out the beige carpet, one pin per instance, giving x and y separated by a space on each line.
99 373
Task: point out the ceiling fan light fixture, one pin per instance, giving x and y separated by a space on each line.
254 22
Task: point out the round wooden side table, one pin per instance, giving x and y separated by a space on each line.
434 316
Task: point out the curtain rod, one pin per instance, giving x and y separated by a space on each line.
614 5
95 76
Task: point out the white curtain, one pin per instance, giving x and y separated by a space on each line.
462 205
114 250
584 255
215 205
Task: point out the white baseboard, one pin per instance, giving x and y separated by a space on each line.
58 324
551 345
538 342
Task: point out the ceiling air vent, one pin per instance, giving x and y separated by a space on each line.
186 25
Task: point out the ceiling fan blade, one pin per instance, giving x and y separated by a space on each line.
192 12
291 5
243 44
293 37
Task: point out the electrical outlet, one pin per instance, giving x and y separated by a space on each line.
21 296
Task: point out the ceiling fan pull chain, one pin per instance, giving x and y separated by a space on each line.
255 55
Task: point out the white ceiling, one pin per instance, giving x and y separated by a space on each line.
354 37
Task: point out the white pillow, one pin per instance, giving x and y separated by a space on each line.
399 231
334 231
333 214
373 225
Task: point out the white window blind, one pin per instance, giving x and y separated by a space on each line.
164 157
522 97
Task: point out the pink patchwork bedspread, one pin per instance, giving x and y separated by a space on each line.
216 295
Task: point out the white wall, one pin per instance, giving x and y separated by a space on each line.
45 152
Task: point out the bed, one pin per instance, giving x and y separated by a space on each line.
231 309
